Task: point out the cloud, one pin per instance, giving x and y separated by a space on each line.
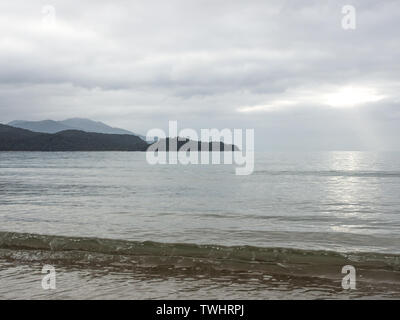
270 65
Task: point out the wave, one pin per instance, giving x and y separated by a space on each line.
332 173
125 254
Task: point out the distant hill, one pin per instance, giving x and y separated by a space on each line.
16 139
51 126
45 126
164 145
93 126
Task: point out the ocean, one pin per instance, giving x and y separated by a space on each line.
115 227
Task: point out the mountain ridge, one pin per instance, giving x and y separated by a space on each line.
82 124
17 139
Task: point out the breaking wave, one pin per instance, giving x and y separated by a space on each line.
125 254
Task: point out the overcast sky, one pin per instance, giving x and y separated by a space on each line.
285 68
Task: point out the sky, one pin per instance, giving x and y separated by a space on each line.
287 69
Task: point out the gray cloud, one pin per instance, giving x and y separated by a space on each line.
139 64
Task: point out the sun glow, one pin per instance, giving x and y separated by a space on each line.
342 97
351 96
